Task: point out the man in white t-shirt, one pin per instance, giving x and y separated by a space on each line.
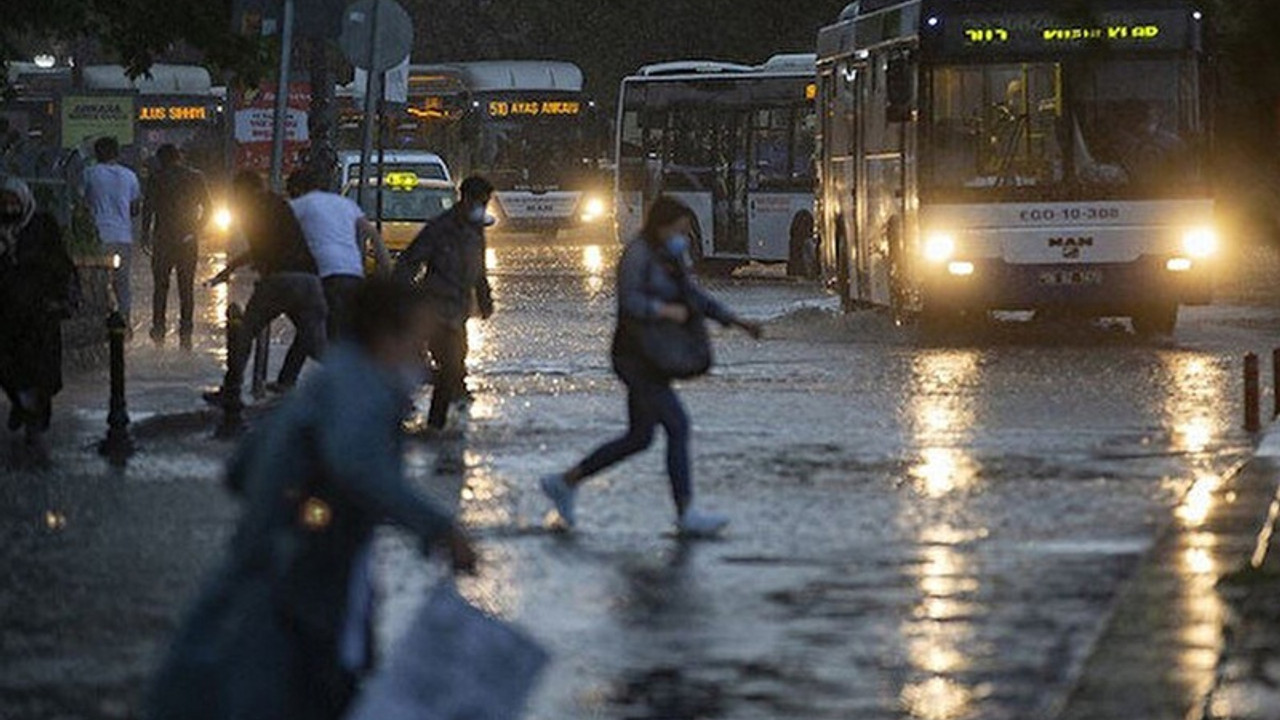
337 232
114 197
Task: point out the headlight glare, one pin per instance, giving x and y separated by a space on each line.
1200 242
222 219
939 247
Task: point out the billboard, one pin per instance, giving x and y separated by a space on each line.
86 118
254 125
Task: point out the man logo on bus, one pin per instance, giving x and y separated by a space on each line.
1071 247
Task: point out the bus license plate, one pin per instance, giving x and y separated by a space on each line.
1071 277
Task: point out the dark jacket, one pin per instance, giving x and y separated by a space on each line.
175 208
451 248
316 478
276 241
39 287
649 278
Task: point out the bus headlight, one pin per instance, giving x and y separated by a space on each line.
939 247
1200 243
592 210
222 219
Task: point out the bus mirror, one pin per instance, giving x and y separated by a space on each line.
898 88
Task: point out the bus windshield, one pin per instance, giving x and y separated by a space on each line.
540 154
1062 130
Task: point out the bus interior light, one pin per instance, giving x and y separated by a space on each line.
1178 264
939 247
960 269
1200 242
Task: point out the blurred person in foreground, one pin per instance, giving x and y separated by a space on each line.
654 287
447 260
38 289
283 632
175 210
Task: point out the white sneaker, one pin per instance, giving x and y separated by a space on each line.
562 495
695 523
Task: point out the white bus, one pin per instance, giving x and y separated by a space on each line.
526 125
734 142
1051 157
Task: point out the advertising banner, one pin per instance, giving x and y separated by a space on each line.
89 117
254 115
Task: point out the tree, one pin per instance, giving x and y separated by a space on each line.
137 31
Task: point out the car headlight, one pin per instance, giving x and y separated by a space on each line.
939 247
1200 242
592 210
222 219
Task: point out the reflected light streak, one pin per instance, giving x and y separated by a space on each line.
1195 392
490 259
937 698
937 648
476 340
942 471
485 504
1199 501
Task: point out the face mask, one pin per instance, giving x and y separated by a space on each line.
678 245
11 218
476 214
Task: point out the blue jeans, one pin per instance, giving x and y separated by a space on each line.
650 403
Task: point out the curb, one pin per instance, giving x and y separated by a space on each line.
1160 650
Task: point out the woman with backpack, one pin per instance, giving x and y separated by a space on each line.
660 337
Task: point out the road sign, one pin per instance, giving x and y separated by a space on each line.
395 85
378 32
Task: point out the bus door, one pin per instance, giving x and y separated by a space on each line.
781 178
883 208
730 182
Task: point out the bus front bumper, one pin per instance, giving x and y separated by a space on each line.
1097 289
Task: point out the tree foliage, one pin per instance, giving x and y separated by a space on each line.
137 32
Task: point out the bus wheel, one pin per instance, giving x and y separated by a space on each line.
1155 320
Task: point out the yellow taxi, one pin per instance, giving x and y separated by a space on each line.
408 202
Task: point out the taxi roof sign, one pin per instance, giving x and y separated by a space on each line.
401 180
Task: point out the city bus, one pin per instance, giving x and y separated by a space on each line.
1031 155
734 142
526 125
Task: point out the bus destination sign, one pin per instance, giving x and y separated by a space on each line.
533 108
1033 32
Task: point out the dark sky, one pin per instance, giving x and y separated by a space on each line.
610 38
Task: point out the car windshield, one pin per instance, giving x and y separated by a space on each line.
1113 128
418 204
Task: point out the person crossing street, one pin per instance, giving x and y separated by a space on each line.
447 260
287 281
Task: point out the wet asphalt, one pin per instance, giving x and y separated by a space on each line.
922 528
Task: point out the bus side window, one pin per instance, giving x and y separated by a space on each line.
901 103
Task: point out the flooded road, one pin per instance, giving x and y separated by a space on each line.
932 530
921 530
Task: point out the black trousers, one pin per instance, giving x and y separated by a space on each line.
297 296
174 258
339 293
448 348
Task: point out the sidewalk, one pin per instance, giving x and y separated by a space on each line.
1185 636
100 562
1248 683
